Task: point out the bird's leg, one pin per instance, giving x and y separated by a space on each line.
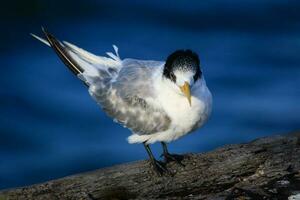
171 157
158 166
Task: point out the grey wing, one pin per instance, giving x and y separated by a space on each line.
135 78
127 97
121 88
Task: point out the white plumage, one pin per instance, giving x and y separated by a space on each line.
164 95
184 118
158 101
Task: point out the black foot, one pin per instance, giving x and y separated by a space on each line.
173 157
160 167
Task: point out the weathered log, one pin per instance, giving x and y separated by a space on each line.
267 168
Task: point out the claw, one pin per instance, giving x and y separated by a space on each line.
173 157
160 168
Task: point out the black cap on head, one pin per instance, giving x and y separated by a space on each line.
182 60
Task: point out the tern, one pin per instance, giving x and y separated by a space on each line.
159 101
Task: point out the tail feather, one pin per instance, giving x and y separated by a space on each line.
40 39
62 53
88 67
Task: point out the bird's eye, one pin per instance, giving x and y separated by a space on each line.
172 77
197 75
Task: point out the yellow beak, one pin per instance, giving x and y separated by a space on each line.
185 89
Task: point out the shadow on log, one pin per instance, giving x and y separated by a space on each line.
267 168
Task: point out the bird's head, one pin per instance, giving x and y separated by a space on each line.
183 69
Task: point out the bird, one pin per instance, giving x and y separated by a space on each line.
159 101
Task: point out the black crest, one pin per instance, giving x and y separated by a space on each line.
184 60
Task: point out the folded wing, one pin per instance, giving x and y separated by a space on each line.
123 88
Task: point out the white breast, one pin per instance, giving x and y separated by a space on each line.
184 118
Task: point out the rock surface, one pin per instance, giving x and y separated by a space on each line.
267 168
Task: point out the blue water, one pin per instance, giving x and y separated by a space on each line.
49 125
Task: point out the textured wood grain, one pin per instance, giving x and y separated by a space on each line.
267 168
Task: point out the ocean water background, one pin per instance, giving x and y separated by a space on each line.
49 125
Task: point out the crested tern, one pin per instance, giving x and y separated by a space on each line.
158 101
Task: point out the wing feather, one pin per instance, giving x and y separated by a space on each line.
127 99
123 88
